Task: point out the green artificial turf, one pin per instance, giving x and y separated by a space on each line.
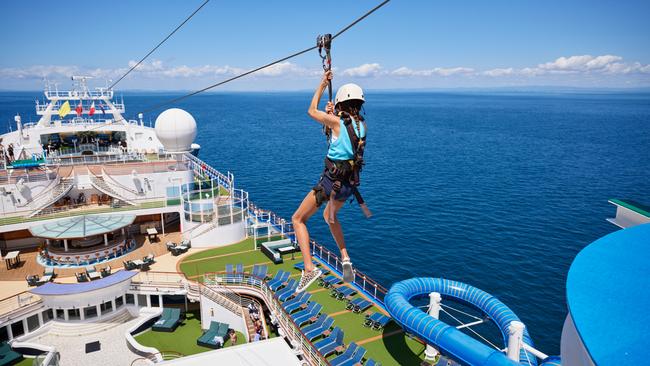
390 346
183 339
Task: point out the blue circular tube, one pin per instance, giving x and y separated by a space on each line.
459 345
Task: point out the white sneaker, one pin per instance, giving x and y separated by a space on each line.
306 279
348 272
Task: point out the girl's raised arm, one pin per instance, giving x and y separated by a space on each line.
327 119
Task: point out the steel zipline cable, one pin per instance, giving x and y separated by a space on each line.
159 44
178 99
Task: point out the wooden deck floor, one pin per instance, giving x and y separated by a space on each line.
29 266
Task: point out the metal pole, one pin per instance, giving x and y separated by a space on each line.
515 339
434 311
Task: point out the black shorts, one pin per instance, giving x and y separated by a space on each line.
323 189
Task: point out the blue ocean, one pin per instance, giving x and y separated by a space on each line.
497 189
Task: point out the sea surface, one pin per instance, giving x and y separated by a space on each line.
499 190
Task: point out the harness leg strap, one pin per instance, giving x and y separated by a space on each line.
362 203
336 187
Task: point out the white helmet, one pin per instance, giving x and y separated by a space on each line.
349 92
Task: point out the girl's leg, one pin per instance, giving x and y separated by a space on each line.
335 227
306 209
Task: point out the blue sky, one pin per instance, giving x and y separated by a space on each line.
406 44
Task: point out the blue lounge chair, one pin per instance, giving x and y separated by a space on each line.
239 272
169 320
343 292
303 317
352 355
372 362
322 324
329 345
370 319
297 302
210 337
330 281
280 278
379 321
258 274
358 305
301 265
8 356
230 273
287 291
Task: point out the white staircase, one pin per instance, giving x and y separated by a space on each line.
51 196
62 329
101 185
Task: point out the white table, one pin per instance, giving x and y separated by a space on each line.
12 257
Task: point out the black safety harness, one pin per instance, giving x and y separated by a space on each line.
341 171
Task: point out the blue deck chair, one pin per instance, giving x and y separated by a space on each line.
301 265
230 271
287 291
356 358
303 317
372 362
280 278
262 271
359 305
239 272
343 292
315 325
317 329
330 281
297 302
381 322
329 345
370 319
346 356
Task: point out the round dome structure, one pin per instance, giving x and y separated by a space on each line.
176 130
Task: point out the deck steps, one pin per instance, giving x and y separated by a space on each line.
50 197
101 185
63 329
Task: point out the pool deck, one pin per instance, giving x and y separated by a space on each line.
13 281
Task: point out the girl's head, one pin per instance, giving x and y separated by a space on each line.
350 99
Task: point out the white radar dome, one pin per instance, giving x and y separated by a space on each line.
176 130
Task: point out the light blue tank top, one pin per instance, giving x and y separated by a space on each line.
341 147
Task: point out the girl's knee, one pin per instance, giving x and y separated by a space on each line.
297 218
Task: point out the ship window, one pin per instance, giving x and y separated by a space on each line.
17 329
60 314
119 302
106 307
155 300
4 334
130 299
90 312
32 323
74 314
142 300
48 315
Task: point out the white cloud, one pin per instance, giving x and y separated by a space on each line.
363 71
441 71
580 68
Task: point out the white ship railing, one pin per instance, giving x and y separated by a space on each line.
79 94
41 108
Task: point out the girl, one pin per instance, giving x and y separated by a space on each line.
334 182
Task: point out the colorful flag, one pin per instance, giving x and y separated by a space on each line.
92 109
64 109
79 109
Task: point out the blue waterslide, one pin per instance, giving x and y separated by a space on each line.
446 338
